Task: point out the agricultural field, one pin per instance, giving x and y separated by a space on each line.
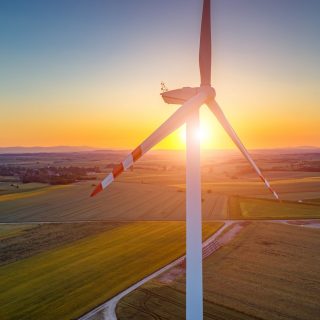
158 178
269 271
63 253
20 241
313 201
250 208
13 230
67 281
27 191
254 187
122 201
130 201
15 187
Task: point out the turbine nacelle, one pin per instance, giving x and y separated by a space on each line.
179 96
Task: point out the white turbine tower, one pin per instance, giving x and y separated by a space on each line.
191 100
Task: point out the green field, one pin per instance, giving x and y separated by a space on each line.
66 282
13 230
251 208
313 201
255 187
10 187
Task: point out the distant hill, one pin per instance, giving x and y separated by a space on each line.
291 150
62 149
36 149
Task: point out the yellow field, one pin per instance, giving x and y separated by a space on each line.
25 193
66 282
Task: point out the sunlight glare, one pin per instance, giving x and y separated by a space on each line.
204 133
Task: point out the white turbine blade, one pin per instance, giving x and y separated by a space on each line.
174 122
214 107
205 45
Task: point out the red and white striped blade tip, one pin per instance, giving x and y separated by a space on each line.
97 189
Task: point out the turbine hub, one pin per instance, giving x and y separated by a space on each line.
209 91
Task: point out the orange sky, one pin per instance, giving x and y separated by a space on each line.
286 118
262 130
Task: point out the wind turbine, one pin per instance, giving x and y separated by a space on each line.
191 100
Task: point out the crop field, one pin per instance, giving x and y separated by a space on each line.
18 187
269 271
129 200
30 192
249 208
13 230
22 241
122 201
314 201
254 186
97 247
67 281
153 190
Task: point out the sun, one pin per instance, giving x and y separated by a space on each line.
205 132
209 134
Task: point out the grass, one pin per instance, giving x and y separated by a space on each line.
66 282
269 271
13 230
313 201
251 208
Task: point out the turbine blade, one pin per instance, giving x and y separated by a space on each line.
174 122
214 107
205 45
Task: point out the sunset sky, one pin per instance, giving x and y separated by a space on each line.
79 72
